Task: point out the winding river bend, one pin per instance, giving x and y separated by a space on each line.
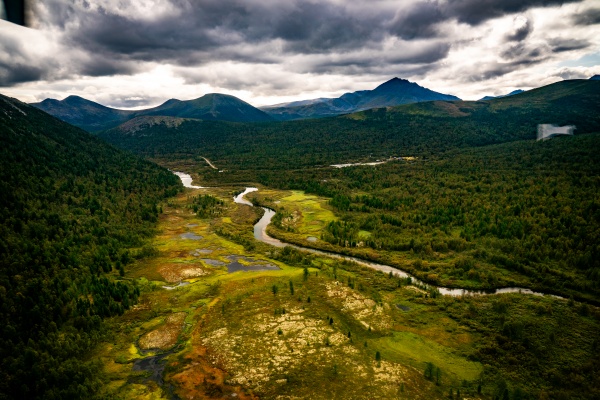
260 233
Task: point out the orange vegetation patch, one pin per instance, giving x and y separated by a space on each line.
166 335
198 379
176 272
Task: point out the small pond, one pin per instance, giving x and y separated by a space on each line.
190 236
253 265
211 262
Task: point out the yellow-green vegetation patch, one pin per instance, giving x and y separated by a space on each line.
417 350
312 209
364 234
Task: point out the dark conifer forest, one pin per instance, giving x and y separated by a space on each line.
72 208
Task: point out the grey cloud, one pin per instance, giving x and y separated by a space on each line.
324 28
486 72
256 83
568 73
407 54
491 70
422 18
524 51
131 101
560 45
374 66
587 17
428 53
107 67
520 33
221 30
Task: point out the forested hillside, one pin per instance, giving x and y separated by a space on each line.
71 210
517 214
421 129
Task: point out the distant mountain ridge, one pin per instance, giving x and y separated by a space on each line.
83 113
212 107
518 91
394 92
419 129
94 117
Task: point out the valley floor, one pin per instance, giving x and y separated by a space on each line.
224 316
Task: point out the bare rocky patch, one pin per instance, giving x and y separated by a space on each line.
176 272
166 335
366 311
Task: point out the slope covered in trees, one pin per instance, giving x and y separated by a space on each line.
516 214
71 207
420 129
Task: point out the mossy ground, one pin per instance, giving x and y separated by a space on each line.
250 335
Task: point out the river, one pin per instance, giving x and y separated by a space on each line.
260 233
186 179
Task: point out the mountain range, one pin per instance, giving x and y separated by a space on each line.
421 129
95 117
394 92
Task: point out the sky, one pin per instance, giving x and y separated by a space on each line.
140 53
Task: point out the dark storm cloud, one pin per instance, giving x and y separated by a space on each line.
474 12
18 66
210 26
315 28
588 17
205 31
418 21
19 73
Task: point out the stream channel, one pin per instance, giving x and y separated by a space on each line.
260 233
